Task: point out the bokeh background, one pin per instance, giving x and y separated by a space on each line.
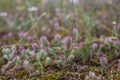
94 18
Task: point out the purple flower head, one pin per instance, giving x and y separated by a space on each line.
57 37
116 42
80 46
7 66
16 59
75 31
21 47
9 63
14 52
46 30
21 34
93 76
22 51
119 64
108 40
94 46
102 44
119 60
30 38
56 25
26 64
34 45
44 42
67 42
10 34
104 16
103 61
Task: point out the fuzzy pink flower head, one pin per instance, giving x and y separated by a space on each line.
10 34
116 42
34 45
104 61
108 40
75 31
57 37
22 51
9 63
102 44
44 41
30 38
21 34
80 46
14 52
119 64
94 46
7 66
46 30
16 59
26 64
93 76
21 47
56 25
67 42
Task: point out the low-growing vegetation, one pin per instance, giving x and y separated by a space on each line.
59 40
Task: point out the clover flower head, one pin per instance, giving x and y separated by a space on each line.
57 37
67 43
94 46
75 31
44 41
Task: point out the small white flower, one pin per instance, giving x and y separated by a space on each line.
94 46
17 58
33 8
3 14
5 57
114 22
74 1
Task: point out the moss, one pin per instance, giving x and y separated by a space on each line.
2 77
52 76
21 74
